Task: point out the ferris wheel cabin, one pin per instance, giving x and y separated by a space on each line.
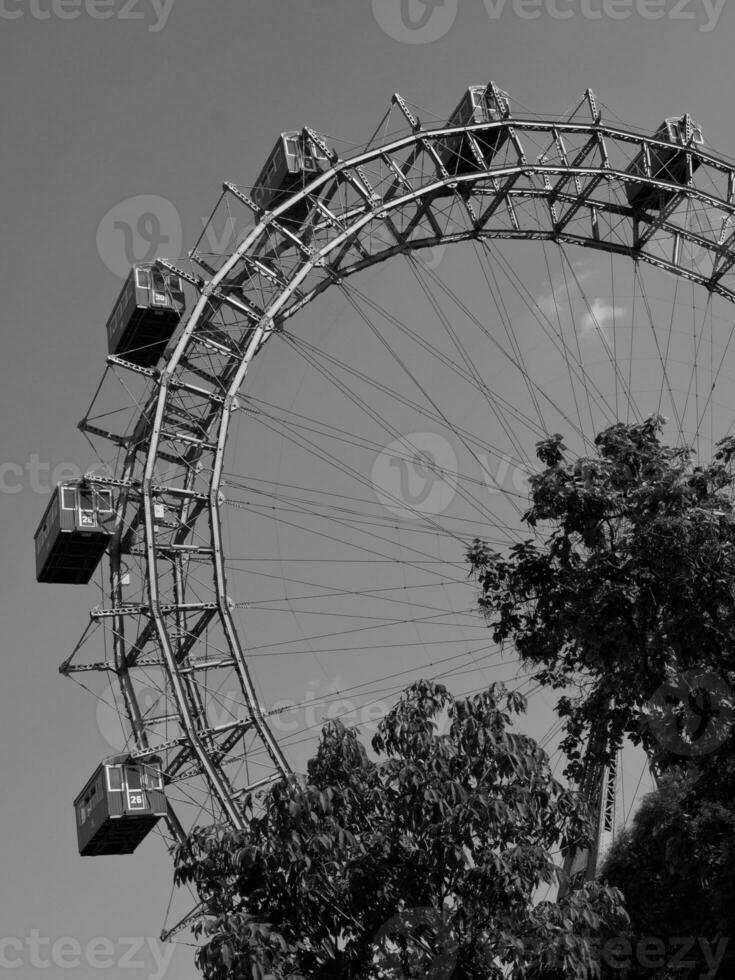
478 105
74 533
119 806
294 160
669 164
146 314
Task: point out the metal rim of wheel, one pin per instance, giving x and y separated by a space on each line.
391 199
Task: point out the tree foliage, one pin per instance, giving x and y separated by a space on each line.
420 862
628 584
676 867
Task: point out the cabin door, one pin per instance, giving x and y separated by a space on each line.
134 789
87 514
158 293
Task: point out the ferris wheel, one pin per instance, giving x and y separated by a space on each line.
304 428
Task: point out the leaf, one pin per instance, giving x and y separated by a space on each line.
439 822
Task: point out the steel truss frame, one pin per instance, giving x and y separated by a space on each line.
386 200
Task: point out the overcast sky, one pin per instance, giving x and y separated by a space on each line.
107 101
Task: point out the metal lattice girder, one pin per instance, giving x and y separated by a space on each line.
356 209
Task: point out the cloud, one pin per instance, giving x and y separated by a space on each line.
599 314
547 303
563 291
592 316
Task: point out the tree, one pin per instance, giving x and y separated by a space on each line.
676 867
626 599
627 593
421 862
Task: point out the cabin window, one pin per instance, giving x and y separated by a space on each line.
68 498
143 278
86 516
87 804
41 534
292 145
84 810
133 778
174 283
104 501
311 155
114 779
153 778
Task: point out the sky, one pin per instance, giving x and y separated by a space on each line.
109 105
